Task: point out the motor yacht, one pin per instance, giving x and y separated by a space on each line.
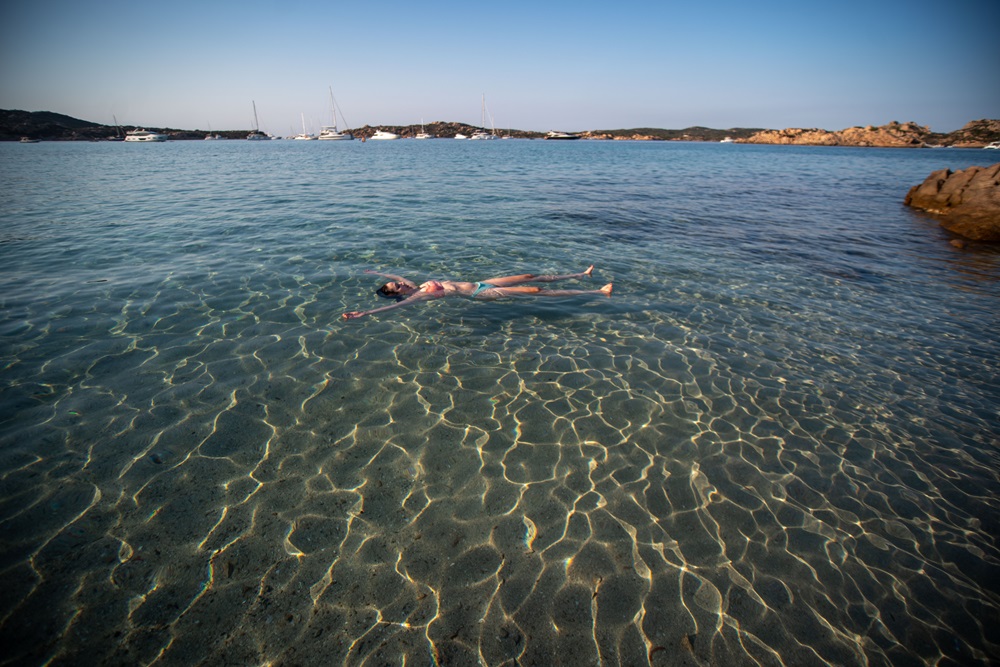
995 145
144 135
382 135
561 135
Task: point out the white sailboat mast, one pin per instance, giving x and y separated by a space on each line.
333 110
493 129
336 110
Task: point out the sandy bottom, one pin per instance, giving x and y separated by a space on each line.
547 490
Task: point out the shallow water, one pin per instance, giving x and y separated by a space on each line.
775 444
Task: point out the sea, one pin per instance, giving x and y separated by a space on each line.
775 443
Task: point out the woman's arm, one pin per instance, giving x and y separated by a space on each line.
398 279
354 314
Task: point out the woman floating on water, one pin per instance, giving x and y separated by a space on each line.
407 292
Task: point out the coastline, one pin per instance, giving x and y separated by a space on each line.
48 126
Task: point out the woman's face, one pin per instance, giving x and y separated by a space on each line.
393 288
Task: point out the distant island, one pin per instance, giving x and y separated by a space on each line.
50 126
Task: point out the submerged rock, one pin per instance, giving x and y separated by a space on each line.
966 202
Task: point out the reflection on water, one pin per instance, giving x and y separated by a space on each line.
741 458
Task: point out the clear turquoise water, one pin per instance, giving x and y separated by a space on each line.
776 443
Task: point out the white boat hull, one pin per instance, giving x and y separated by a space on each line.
143 135
561 136
331 134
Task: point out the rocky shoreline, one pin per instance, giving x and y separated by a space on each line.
49 126
975 134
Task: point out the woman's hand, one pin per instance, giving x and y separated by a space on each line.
352 315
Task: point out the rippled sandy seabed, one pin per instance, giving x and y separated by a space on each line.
754 464
576 492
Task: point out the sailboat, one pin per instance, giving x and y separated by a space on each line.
422 134
304 136
330 132
118 131
256 134
482 133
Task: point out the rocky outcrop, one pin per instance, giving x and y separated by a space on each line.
976 134
966 202
892 135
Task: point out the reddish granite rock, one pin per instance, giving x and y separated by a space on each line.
899 135
966 202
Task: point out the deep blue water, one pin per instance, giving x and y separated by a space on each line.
776 443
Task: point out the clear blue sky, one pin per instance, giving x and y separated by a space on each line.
542 65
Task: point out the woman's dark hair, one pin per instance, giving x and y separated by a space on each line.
384 291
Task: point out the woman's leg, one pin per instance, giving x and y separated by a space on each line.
505 281
538 291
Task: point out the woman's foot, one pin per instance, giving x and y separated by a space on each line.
589 271
606 290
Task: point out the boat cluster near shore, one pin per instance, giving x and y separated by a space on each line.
328 133
333 133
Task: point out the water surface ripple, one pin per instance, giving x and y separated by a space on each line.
775 445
